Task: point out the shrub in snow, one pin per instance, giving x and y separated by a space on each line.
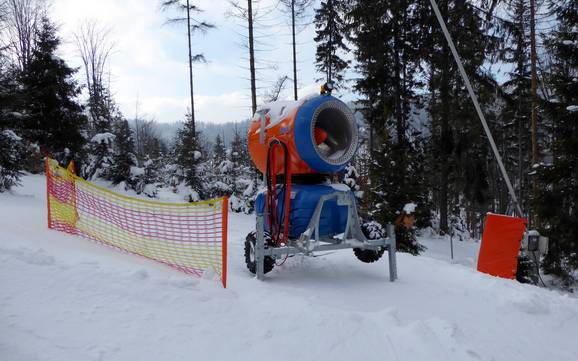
11 157
124 163
249 193
373 230
188 156
350 179
103 138
149 179
457 225
235 204
100 156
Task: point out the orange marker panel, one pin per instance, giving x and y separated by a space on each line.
500 245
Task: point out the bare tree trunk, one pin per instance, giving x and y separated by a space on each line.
190 66
252 56
294 49
21 20
137 132
94 48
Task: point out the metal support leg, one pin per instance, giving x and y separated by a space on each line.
260 249
391 252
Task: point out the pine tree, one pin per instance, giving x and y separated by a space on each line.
239 151
514 134
350 177
457 147
124 159
188 154
218 150
98 154
330 28
558 203
188 10
11 156
388 63
11 147
151 178
296 8
54 119
246 176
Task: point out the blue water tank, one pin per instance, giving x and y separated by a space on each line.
304 199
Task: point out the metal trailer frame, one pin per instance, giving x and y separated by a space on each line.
310 241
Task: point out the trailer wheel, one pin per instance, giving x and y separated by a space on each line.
250 259
371 231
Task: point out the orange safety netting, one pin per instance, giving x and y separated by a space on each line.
191 237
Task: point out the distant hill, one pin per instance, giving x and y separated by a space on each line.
209 131
168 131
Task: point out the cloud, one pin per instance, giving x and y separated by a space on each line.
150 58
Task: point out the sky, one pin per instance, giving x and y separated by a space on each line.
149 62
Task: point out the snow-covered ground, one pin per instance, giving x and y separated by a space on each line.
63 298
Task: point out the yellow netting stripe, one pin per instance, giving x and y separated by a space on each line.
191 237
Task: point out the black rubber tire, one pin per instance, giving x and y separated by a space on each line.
368 255
250 242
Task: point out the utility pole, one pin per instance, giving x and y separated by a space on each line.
534 97
191 67
252 57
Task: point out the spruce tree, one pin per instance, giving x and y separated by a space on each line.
54 119
350 178
558 203
151 178
103 116
458 147
330 29
11 157
11 145
246 176
514 131
388 60
239 151
219 151
124 159
189 155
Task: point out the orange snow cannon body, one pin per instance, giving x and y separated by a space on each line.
320 135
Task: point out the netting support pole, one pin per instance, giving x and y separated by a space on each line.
466 80
260 249
391 252
225 221
48 193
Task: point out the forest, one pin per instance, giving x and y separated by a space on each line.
421 142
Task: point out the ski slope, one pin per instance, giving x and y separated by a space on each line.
63 298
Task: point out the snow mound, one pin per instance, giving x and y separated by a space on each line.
280 109
11 135
409 208
103 138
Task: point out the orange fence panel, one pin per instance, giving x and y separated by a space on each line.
500 245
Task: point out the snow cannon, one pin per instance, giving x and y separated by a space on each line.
298 146
318 135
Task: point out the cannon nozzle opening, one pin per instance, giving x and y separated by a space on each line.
334 132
